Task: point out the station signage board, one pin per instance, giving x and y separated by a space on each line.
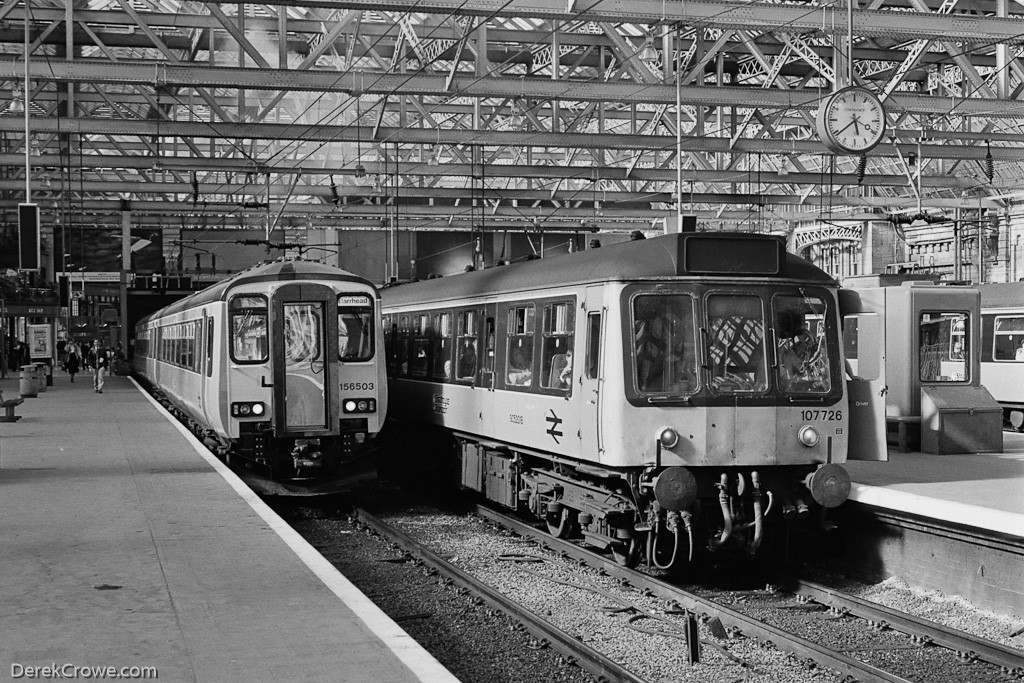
99 276
30 310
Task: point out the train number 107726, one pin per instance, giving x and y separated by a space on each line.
821 415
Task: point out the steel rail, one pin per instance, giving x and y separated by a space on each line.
568 646
964 644
749 626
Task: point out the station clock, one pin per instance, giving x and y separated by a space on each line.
851 121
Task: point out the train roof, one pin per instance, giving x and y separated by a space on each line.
702 254
1001 294
272 271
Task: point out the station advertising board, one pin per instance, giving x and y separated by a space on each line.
40 342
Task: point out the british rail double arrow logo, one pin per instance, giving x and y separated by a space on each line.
554 431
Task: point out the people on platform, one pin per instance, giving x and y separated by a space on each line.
101 365
72 361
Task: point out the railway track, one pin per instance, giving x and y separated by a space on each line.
543 631
1007 663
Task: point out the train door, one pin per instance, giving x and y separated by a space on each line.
304 346
211 404
203 351
485 376
590 379
864 351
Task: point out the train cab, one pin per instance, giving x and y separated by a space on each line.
927 335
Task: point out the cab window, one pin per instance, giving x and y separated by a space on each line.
736 344
249 342
801 345
355 327
664 358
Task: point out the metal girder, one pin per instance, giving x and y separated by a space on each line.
479 138
711 14
477 86
905 25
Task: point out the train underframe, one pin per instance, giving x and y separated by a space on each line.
673 517
301 461
292 458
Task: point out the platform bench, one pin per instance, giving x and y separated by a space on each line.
901 422
9 407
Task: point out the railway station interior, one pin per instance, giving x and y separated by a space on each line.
155 148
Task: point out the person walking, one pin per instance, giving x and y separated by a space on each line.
72 361
101 365
89 356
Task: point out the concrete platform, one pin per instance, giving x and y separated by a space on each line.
985 491
951 523
124 546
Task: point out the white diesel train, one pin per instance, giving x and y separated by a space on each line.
279 364
660 396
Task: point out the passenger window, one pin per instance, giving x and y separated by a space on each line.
442 344
736 344
1008 339
593 344
467 351
489 345
519 360
419 360
556 347
209 347
402 346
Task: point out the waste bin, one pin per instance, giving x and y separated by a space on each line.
959 419
28 387
40 376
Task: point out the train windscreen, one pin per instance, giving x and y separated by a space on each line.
355 327
664 344
802 345
736 344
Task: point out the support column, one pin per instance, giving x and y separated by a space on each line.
126 266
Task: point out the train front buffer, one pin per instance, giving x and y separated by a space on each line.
717 476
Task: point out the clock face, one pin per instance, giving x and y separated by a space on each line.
851 121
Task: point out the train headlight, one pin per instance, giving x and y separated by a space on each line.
808 436
248 409
668 437
359 405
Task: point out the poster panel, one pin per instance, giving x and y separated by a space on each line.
40 342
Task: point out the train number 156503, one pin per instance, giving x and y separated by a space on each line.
808 415
357 386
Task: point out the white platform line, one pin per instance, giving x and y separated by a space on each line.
411 653
1009 523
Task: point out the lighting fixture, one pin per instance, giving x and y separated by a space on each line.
648 55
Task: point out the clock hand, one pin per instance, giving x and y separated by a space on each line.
846 126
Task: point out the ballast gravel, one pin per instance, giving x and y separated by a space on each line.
481 645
